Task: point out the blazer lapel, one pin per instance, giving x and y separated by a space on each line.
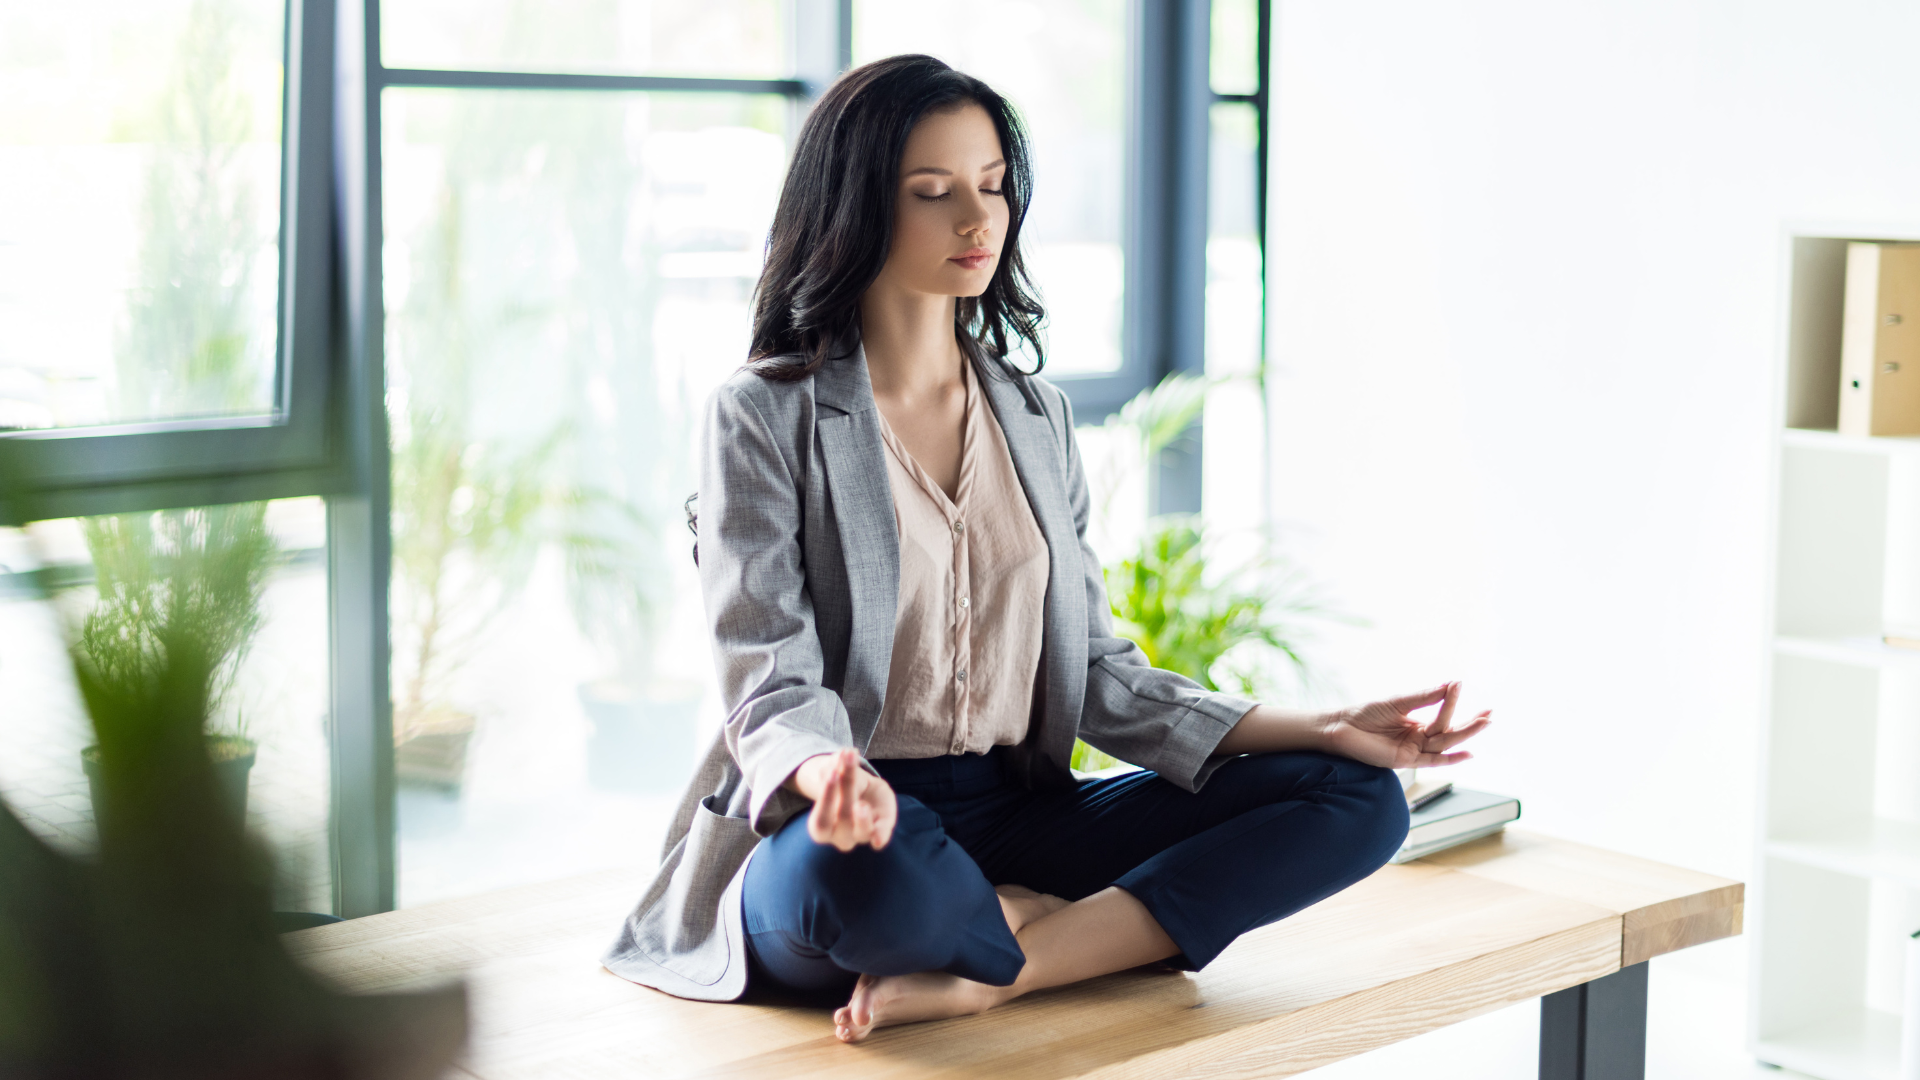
1040 460
855 470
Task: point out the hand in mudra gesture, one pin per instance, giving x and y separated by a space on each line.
851 806
1382 733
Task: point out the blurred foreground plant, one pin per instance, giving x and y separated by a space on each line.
158 958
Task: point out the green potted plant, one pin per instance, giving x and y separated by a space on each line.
1192 607
179 582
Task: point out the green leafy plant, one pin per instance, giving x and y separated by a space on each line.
1188 613
1192 606
175 590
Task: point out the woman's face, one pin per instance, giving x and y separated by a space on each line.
949 216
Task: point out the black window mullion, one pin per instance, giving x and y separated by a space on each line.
1166 228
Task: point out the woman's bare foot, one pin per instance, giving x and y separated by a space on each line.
881 1001
1022 905
904 999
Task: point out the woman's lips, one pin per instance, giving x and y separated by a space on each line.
973 260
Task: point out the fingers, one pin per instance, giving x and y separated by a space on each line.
1447 740
832 818
1445 716
887 812
1421 700
1434 747
854 807
848 824
826 809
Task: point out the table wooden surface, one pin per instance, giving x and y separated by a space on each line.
1410 949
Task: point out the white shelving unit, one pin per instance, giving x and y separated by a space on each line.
1838 883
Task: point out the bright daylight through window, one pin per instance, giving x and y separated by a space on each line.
140 160
438 358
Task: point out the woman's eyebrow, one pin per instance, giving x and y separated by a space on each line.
935 170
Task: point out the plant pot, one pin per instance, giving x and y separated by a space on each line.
430 747
233 759
642 741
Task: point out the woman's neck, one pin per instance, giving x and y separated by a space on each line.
908 337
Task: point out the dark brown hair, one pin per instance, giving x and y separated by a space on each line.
834 225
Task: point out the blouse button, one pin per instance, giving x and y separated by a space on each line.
966 601
963 676
960 526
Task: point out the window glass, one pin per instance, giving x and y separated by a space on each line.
1236 46
140 165
276 697
1063 64
1233 243
1232 439
567 280
736 38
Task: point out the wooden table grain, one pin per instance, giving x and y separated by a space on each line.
1410 949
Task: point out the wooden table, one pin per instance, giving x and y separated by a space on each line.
1410 949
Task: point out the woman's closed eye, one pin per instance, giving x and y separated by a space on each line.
945 195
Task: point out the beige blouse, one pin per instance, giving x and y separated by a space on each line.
973 588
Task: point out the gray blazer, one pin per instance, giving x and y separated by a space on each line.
799 563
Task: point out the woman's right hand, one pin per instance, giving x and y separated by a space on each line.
851 806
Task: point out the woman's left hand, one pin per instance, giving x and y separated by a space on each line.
1382 733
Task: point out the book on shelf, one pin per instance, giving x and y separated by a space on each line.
1455 818
1880 340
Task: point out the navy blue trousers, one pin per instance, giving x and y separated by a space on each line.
1267 835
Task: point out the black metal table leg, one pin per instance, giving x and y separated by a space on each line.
1597 1030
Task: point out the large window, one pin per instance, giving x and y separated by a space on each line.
143 284
165 279
173 154
433 292
567 278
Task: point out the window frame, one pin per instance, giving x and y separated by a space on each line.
292 451
359 520
1164 325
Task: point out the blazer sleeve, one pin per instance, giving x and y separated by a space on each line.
760 615
1149 716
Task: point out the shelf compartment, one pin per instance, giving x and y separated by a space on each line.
1858 1045
1879 848
1811 439
1859 651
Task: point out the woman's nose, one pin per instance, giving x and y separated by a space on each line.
974 218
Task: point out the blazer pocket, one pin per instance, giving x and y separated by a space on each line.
684 931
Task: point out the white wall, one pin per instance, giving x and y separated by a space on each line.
1527 317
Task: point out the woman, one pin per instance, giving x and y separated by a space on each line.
911 632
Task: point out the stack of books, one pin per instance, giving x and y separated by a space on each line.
1449 816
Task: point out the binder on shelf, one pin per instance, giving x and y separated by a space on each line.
1880 340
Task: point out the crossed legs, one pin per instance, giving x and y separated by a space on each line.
916 932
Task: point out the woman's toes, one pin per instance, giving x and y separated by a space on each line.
854 1020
